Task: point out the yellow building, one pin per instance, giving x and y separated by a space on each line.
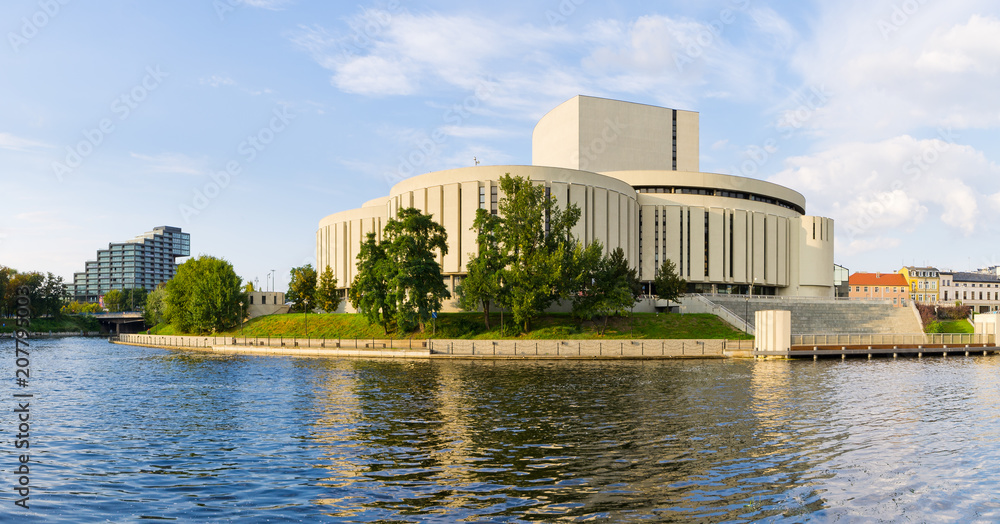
924 282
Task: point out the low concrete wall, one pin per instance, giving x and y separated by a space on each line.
580 348
415 348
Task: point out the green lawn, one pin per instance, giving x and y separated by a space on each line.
471 326
953 326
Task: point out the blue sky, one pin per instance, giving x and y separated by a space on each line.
127 115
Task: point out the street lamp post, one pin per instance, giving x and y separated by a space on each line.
306 301
241 319
273 284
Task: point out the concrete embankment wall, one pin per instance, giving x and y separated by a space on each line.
445 348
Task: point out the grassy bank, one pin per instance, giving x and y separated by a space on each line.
471 326
949 326
62 324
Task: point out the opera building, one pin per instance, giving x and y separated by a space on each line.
633 171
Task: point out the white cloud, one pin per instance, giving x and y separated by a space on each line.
216 81
14 143
863 245
939 68
174 163
273 5
900 183
669 60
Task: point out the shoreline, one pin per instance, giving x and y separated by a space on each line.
642 349
60 334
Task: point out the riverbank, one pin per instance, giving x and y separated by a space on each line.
470 326
449 348
53 334
58 325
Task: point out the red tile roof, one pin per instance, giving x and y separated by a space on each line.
877 279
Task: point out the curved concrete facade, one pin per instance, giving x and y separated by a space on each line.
632 169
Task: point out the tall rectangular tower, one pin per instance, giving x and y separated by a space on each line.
602 135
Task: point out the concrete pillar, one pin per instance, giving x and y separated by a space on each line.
986 324
773 330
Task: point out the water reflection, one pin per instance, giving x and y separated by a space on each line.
189 436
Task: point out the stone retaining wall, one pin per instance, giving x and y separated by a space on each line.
440 347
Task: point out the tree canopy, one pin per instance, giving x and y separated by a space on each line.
610 286
204 296
369 292
302 288
327 295
399 280
668 285
47 293
482 285
530 258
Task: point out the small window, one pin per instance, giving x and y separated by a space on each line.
251 300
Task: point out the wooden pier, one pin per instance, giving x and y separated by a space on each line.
880 350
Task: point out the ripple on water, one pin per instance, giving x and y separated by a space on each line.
126 433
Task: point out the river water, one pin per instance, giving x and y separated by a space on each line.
123 433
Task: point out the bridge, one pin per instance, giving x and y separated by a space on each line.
122 322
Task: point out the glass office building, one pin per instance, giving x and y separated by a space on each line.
143 262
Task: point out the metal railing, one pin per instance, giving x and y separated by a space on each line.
915 339
779 298
726 314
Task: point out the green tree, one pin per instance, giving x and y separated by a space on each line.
133 299
613 288
80 308
204 296
113 300
327 295
6 274
369 293
668 285
33 285
535 235
302 288
482 285
590 281
154 309
416 286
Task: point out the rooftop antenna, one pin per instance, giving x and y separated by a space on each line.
476 160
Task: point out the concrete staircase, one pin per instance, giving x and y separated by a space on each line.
826 315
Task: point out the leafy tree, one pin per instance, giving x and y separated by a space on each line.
590 281
47 293
482 285
155 305
248 288
302 287
6 274
535 235
133 299
614 287
399 279
369 293
327 295
113 300
204 296
416 285
81 308
668 284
